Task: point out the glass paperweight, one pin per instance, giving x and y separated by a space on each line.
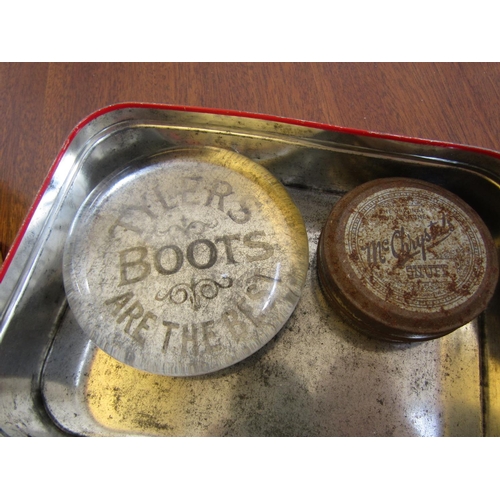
185 263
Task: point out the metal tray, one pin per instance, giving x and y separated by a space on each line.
317 377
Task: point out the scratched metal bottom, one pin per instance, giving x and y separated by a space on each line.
317 377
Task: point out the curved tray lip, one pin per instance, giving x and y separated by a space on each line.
227 112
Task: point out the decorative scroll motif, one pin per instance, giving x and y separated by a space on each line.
189 229
206 288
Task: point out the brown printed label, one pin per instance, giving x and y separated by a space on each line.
415 249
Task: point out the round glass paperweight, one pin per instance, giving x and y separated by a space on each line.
186 262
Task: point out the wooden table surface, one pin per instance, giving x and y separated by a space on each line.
41 103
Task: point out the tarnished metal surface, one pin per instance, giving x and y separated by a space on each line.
317 376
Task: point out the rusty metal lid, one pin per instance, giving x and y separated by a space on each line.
406 260
186 262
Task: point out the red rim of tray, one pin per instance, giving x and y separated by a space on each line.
194 109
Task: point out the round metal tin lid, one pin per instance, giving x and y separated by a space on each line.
407 260
186 263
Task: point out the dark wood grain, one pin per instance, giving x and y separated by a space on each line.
41 103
